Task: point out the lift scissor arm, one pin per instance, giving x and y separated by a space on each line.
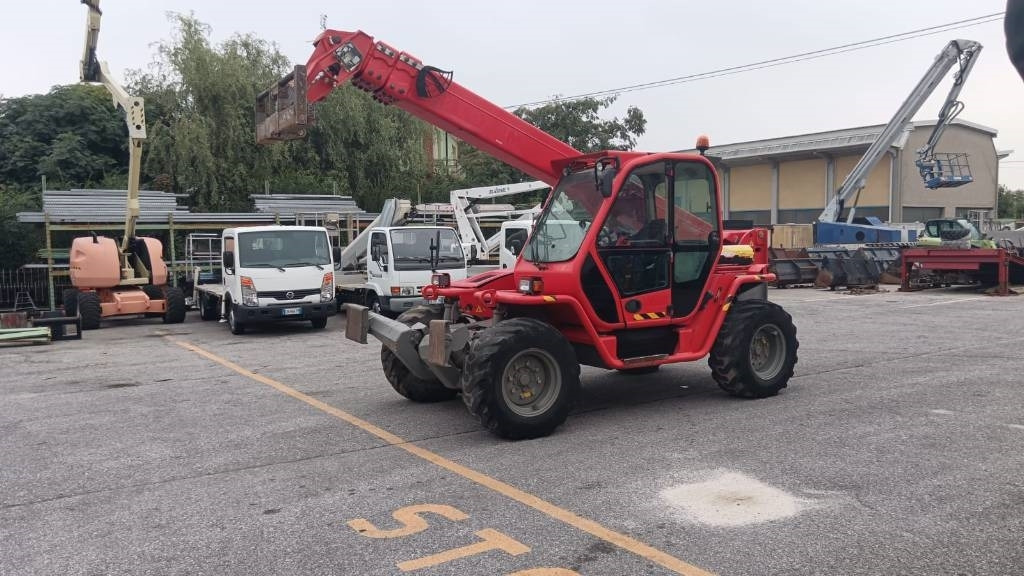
428 93
95 71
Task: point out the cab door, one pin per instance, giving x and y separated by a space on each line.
696 234
635 247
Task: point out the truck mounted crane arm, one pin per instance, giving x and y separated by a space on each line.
95 71
962 52
400 79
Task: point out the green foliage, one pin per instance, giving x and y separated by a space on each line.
575 122
73 135
18 242
1010 203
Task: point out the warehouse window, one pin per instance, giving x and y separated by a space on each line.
921 213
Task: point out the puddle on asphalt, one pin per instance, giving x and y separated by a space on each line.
733 499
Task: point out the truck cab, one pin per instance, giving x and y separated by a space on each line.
400 261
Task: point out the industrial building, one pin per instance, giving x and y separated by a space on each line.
789 180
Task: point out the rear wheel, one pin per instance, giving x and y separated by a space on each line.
401 379
174 305
520 378
70 299
207 307
756 350
90 310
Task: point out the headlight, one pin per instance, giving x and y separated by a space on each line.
327 288
249 292
531 285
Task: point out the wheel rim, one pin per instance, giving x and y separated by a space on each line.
531 382
375 306
767 351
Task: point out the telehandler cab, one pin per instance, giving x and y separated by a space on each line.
629 266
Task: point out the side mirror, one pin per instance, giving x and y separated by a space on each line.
607 177
229 261
336 254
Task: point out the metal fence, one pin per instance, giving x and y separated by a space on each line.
23 287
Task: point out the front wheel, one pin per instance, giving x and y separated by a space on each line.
521 378
234 324
401 379
756 350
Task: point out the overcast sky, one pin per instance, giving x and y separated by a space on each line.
528 50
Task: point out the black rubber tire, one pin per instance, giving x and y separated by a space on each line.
482 376
730 360
90 310
373 303
234 325
70 300
401 379
319 323
207 307
154 292
174 313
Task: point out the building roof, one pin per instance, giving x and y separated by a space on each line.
844 141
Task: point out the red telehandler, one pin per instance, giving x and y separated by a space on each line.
629 266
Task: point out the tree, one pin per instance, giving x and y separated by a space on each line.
1010 203
18 242
72 135
576 122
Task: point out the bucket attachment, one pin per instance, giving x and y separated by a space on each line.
945 171
282 112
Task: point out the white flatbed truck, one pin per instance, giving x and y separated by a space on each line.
271 274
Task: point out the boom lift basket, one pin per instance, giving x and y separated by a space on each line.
945 170
282 112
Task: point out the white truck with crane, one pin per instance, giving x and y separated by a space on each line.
938 170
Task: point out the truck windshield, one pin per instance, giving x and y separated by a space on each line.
283 249
411 248
563 224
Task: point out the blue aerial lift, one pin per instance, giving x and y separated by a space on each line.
938 170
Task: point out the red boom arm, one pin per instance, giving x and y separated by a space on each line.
428 93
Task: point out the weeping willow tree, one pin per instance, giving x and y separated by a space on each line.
200 100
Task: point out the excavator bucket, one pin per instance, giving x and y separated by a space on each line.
282 112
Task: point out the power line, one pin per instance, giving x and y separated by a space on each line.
861 45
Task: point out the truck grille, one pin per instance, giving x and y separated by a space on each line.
283 294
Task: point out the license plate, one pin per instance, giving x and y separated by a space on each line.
291 312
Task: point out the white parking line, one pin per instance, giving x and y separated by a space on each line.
941 302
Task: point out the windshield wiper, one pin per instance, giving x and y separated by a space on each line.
264 266
293 264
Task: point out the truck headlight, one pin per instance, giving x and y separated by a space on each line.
327 288
249 297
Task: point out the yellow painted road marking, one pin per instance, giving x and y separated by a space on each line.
589 526
490 540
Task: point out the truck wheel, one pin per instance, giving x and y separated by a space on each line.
401 379
233 323
174 311
520 378
756 350
207 307
70 299
319 323
373 303
90 310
